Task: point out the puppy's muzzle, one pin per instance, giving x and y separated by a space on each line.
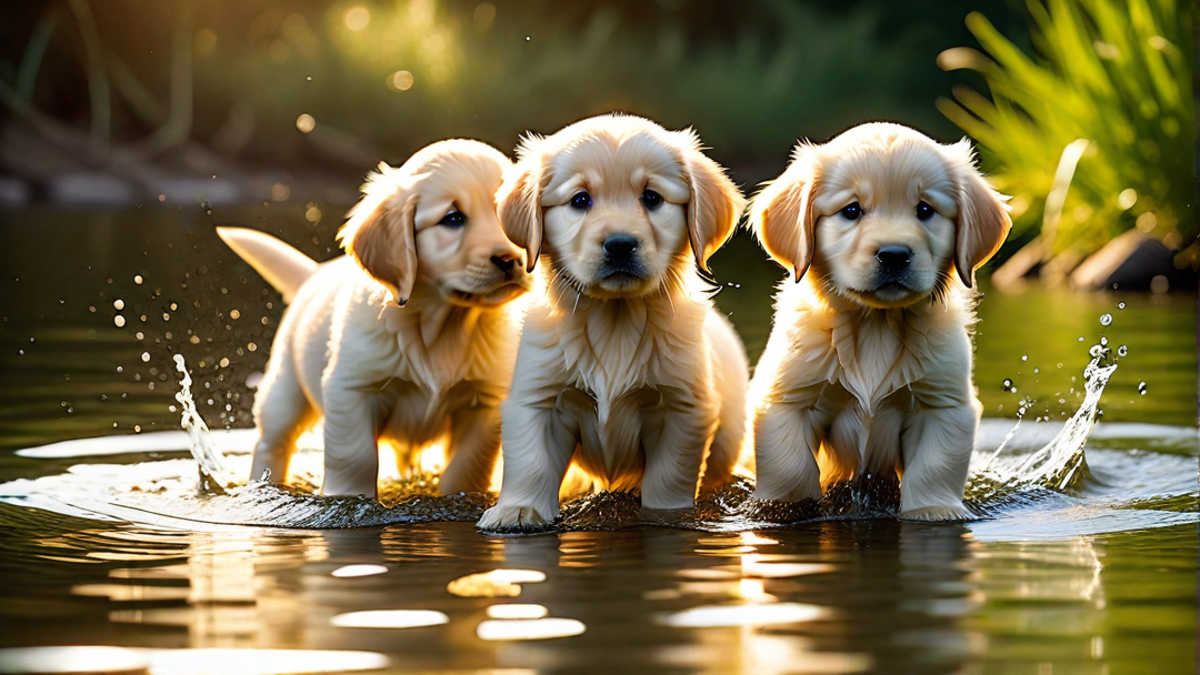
894 264
620 255
504 262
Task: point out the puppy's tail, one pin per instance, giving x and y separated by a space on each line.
282 266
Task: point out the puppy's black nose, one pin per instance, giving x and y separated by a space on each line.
894 258
620 246
504 262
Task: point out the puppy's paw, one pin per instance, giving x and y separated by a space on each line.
506 518
929 514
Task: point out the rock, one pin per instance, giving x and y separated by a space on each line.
13 192
89 188
1025 264
1132 262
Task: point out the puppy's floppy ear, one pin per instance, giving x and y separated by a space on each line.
716 203
782 215
379 233
983 220
519 205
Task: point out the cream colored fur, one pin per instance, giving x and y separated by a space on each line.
409 338
865 373
636 379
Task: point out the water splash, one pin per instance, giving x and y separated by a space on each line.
208 458
1062 464
1021 476
1056 467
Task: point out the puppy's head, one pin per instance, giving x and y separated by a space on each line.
434 219
616 201
883 214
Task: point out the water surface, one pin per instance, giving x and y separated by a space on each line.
117 548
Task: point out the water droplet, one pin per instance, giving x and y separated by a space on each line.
1024 357
1142 388
118 304
235 315
1106 319
119 321
145 357
1095 350
1103 341
137 279
1122 350
1081 338
1007 384
1120 305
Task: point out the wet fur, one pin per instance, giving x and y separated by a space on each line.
857 381
387 344
641 385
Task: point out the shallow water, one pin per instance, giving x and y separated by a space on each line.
108 542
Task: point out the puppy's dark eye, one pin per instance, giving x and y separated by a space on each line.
453 219
852 212
651 199
924 211
581 201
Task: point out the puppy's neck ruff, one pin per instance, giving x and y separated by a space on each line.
611 344
441 344
873 353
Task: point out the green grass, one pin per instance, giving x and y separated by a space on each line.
1115 73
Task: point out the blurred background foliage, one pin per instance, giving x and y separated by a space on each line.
1112 78
388 76
333 86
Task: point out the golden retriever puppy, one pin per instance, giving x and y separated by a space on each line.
624 365
868 367
409 337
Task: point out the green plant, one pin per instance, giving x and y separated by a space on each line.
1114 73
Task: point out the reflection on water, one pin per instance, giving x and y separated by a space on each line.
529 629
494 584
390 618
118 661
826 597
350 571
517 611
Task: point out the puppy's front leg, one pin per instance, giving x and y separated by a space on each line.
936 448
674 459
787 437
351 448
539 440
474 444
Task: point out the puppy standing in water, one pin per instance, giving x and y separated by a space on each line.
868 367
408 338
624 365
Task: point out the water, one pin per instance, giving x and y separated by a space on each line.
1085 560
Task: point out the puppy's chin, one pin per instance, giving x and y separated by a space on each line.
887 296
620 285
483 298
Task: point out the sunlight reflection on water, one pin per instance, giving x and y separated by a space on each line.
529 629
390 618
